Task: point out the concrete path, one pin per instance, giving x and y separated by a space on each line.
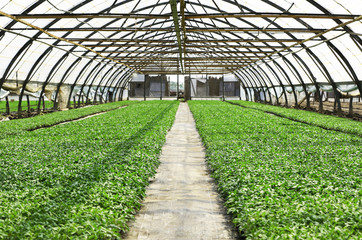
182 202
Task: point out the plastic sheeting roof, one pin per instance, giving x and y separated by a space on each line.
103 42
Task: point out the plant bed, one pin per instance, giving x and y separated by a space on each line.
326 121
45 120
280 178
82 180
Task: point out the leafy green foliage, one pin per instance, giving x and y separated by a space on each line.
20 125
317 119
82 180
282 179
24 104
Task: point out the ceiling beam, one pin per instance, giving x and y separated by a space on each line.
359 18
59 38
175 46
187 58
190 16
117 40
183 24
242 40
173 41
271 15
187 72
173 4
217 65
91 15
175 52
115 29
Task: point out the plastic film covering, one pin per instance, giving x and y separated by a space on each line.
281 49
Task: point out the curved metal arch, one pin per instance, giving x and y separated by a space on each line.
292 36
110 81
256 72
299 78
26 11
81 72
126 80
278 7
253 84
287 78
243 86
247 89
31 72
249 83
65 76
87 36
100 83
235 2
18 55
349 67
119 74
90 73
123 80
331 45
328 77
271 69
51 74
27 45
346 28
302 63
254 36
127 74
271 84
92 81
251 73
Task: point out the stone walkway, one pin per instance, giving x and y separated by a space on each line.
182 202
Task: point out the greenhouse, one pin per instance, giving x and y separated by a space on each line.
181 119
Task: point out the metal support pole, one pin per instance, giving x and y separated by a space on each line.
337 100
129 85
161 88
43 99
190 83
177 87
350 112
144 89
74 102
7 106
223 88
28 102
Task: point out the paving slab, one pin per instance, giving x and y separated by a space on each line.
182 202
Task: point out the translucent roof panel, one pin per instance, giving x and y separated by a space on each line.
262 42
